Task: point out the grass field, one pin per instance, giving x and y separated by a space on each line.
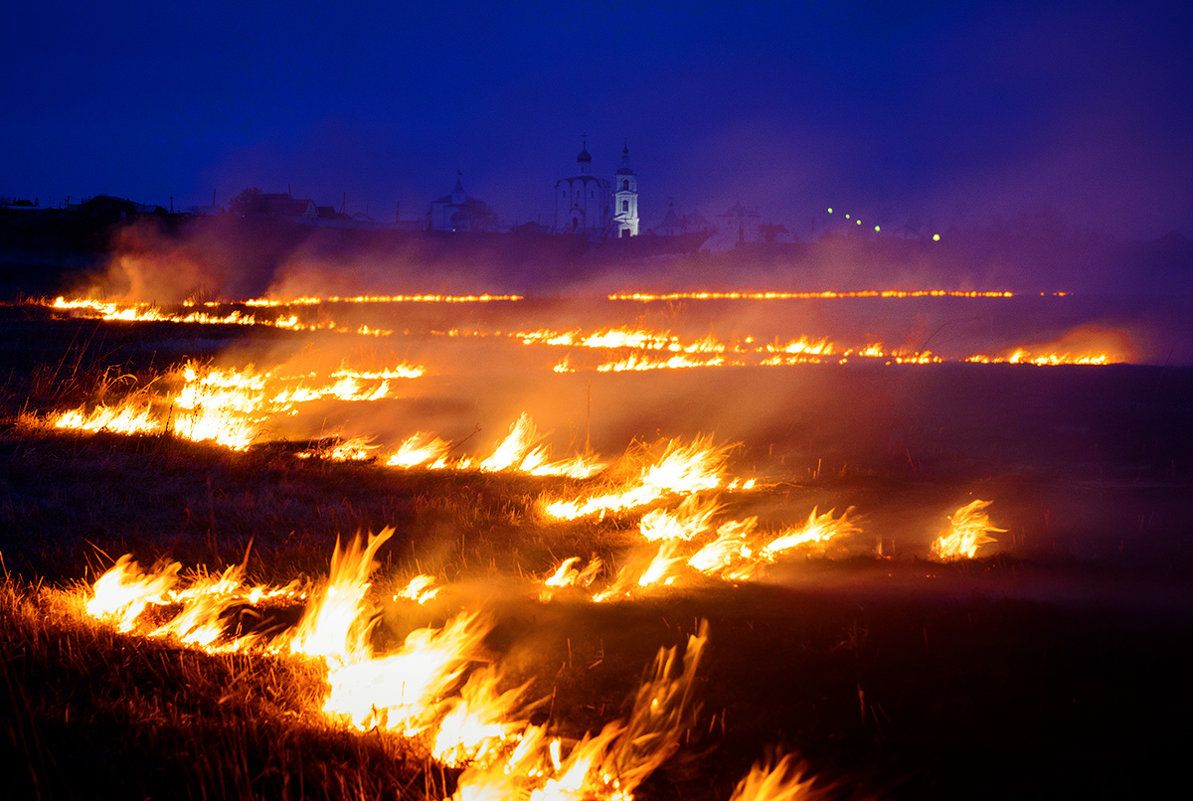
1051 665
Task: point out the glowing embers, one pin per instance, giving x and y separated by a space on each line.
354 449
969 529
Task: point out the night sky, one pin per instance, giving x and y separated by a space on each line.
936 114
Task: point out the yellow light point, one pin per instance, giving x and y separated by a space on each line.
877 229
830 209
847 216
936 237
859 222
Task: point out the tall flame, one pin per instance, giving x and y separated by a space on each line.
337 623
398 691
608 766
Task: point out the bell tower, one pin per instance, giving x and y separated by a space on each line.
625 198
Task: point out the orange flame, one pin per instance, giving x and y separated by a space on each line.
680 468
121 594
420 450
131 417
970 529
419 589
781 781
608 766
398 691
336 625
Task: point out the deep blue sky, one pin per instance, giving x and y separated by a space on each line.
940 113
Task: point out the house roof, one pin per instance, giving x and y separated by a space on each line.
286 206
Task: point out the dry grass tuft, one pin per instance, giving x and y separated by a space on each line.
95 714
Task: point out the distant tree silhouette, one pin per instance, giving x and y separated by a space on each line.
247 202
474 215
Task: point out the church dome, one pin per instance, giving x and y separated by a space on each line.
585 157
625 162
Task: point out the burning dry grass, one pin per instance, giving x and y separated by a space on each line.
92 713
632 347
416 691
856 683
